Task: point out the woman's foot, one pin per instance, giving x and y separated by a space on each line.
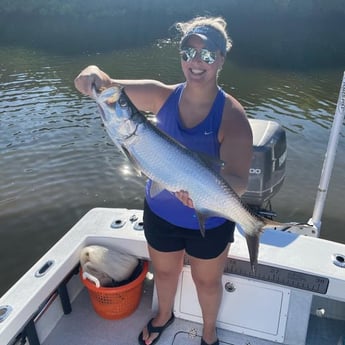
154 329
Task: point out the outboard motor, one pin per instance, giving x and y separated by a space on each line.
267 171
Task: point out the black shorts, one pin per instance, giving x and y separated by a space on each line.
166 237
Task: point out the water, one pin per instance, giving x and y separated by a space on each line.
57 161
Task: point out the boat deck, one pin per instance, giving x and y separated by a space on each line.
84 326
296 279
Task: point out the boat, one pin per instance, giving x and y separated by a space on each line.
296 296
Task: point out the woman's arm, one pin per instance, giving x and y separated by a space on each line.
236 145
147 95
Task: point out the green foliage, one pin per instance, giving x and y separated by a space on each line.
263 31
114 8
73 8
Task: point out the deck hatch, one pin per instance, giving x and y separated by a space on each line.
244 308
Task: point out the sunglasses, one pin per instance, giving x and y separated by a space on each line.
188 54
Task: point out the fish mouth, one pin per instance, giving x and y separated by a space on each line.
102 112
110 95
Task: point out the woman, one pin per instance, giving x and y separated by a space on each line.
200 115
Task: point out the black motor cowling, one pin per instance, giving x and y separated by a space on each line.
267 171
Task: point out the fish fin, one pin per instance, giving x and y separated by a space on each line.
201 219
155 189
213 163
253 248
119 146
132 160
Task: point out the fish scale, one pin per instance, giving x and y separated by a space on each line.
219 201
174 167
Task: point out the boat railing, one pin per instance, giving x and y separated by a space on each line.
329 160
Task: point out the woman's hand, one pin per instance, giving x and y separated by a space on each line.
183 196
91 77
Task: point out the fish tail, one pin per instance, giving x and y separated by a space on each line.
271 224
253 248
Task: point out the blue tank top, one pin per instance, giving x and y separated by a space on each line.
201 138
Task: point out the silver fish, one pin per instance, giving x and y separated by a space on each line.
174 167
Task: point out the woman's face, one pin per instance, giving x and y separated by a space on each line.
196 70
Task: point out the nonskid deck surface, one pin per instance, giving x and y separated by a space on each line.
84 326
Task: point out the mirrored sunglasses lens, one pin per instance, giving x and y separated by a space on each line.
185 56
208 56
188 54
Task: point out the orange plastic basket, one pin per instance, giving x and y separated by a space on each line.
116 303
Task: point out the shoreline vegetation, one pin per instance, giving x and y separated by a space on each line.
276 33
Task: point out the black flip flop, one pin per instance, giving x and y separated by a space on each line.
153 329
203 342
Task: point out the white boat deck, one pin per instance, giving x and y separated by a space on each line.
84 326
295 280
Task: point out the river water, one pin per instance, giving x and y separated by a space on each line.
57 161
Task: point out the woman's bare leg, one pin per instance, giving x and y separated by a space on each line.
207 276
167 269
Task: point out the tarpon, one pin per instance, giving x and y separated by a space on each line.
174 167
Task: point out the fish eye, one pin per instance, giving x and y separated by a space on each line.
123 102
